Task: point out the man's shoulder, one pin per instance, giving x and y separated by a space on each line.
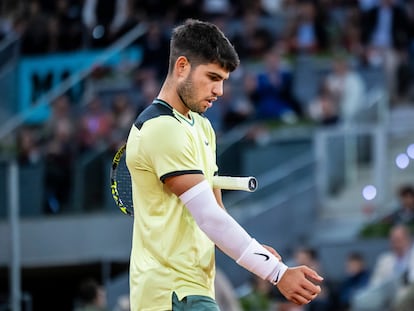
154 111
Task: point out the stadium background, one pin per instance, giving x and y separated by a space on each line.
72 75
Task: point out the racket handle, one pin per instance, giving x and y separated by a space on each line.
235 183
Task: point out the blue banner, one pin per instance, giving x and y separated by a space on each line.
40 74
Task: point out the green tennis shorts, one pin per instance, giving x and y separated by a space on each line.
194 303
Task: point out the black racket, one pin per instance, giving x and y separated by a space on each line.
121 187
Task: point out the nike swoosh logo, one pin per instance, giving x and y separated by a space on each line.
277 277
264 255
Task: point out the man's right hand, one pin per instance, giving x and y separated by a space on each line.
297 285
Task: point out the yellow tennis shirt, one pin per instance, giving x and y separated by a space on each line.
169 251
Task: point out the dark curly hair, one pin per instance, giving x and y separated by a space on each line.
202 43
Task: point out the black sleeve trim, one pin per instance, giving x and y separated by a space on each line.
178 173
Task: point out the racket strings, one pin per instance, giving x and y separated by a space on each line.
123 182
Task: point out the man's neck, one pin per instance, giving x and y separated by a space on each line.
169 94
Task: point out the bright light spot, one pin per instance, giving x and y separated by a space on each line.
98 32
369 192
402 161
410 151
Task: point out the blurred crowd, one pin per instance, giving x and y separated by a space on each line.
279 42
384 282
387 285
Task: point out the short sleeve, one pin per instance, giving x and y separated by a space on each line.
169 148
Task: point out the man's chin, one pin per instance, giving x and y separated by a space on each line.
201 110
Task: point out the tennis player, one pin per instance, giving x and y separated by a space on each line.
179 217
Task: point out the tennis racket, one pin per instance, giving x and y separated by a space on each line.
121 187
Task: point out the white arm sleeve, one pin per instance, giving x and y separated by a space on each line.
228 235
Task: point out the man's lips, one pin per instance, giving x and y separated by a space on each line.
210 101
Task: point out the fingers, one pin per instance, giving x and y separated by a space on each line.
299 300
311 288
303 297
311 292
308 290
297 286
312 274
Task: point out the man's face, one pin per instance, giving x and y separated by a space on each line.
399 241
407 202
202 86
354 266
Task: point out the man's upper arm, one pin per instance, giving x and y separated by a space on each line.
181 183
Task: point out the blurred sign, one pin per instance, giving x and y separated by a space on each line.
40 74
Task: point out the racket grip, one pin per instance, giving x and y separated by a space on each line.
248 184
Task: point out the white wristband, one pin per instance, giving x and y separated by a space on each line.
278 273
261 262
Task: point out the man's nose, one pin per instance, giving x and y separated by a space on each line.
218 88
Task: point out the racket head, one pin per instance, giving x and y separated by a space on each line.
121 188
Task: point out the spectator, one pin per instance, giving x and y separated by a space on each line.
188 9
148 86
356 279
386 281
123 115
385 36
153 9
404 213
155 47
122 303
231 109
36 38
405 299
94 136
350 32
59 156
29 151
6 22
272 7
211 9
309 256
252 38
347 89
59 159
270 90
394 262
366 5
66 26
95 126
323 109
289 11
61 113
92 296
306 31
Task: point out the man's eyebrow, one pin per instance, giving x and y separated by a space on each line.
216 75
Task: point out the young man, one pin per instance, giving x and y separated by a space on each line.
179 217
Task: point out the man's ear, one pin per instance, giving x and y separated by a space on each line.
182 66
